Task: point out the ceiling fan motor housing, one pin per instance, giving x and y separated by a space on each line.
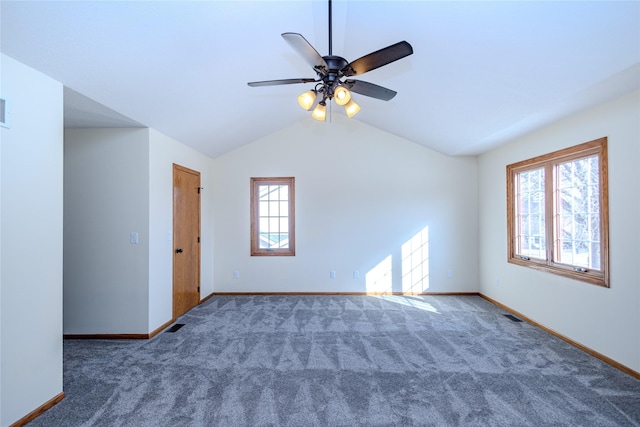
331 78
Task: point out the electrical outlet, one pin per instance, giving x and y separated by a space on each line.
236 274
356 274
332 274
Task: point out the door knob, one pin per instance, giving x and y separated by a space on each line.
178 251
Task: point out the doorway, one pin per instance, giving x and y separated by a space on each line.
186 239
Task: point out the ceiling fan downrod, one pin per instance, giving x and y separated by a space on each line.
330 31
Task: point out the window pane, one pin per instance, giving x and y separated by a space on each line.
284 208
530 218
284 225
264 209
595 228
594 172
283 240
577 208
274 209
595 252
274 225
264 192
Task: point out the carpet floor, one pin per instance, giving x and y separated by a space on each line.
342 361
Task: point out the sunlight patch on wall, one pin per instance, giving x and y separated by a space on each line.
378 279
415 263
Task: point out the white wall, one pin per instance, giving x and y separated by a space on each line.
605 320
2 95
119 181
31 248
163 153
360 195
106 197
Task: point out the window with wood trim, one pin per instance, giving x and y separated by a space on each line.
273 217
558 213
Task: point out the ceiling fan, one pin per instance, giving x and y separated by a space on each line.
333 74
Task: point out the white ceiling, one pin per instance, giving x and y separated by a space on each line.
481 72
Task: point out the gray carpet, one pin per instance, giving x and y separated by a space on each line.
342 360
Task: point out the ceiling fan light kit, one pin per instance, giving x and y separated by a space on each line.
307 99
320 112
333 71
342 95
351 108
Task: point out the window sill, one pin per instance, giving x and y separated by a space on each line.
592 277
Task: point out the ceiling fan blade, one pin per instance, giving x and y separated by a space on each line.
280 82
304 49
378 59
369 89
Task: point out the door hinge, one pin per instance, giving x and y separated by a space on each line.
198 239
198 288
200 188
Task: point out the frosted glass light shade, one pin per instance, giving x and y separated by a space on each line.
351 108
341 95
307 99
320 112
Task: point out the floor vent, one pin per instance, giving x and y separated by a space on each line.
512 318
175 327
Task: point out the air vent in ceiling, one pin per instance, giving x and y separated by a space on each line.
4 113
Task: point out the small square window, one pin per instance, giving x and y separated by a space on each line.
272 217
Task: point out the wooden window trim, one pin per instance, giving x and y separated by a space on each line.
548 162
256 250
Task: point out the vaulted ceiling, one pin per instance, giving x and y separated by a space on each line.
481 72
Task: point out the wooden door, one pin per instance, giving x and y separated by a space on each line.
186 239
